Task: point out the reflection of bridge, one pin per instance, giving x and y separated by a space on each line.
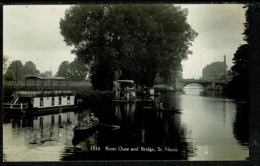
207 84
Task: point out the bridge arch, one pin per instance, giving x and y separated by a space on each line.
190 83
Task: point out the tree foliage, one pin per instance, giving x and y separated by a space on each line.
14 71
17 70
137 41
63 70
29 69
5 59
46 74
239 85
78 71
74 71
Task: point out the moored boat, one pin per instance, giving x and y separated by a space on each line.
124 91
41 96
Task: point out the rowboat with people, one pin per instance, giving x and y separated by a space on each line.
87 126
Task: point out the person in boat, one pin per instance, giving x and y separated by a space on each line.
85 122
115 89
161 106
93 118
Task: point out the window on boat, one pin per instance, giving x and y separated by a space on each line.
52 101
68 100
126 85
59 100
41 101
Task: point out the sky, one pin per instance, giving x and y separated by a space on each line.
31 33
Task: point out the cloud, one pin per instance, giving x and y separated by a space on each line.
31 32
220 28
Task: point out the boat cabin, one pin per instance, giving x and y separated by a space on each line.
124 90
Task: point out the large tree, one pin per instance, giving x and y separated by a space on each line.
14 70
30 69
63 70
78 71
137 41
74 71
239 85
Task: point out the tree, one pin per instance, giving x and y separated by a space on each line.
15 69
46 74
78 71
138 41
74 71
9 75
63 70
30 69
5 59
239 85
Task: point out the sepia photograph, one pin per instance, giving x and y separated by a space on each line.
99 82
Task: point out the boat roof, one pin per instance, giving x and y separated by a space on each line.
44 78
131 81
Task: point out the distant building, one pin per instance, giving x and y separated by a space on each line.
215 71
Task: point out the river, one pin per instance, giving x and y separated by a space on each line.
207 126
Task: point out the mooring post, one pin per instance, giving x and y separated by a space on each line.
52 120
59 119
41 121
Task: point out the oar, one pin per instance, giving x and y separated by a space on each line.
108 125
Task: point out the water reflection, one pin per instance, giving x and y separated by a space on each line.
209 127
124 113
153 135
217 125
240 126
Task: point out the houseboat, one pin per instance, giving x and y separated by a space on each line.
124 91
41 96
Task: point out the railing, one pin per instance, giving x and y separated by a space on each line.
15 106
201 81
43 93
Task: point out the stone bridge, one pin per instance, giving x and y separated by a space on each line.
207 84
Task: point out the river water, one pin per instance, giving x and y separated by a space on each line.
207 126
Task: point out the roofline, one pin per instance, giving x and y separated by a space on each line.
44 78
132 81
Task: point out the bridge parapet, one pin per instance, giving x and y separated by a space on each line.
207 84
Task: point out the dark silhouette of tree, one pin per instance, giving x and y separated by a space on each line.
46 74
74 71
30 69
15 69
9 75
78 71
239 85
63 70
137 41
